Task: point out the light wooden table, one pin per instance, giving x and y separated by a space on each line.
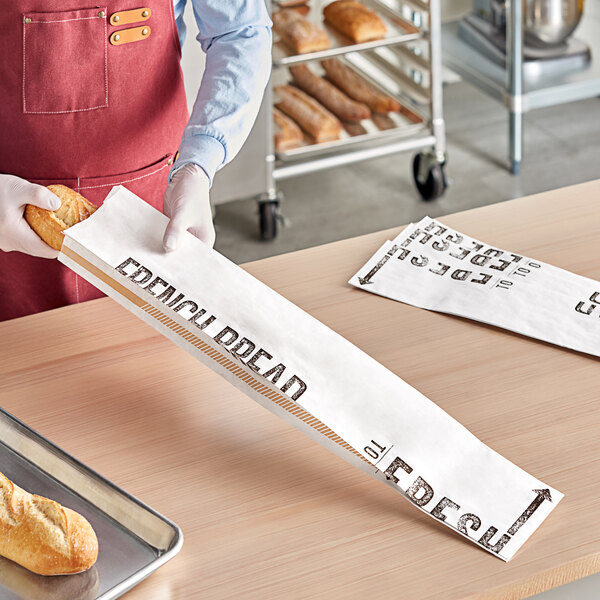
266 512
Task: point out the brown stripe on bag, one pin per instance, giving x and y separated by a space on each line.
280 400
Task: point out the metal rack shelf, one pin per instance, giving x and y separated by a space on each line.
408 121
531 89
399 31
405 64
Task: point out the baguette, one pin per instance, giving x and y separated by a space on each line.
308 113
296 32
328 95
354 20
357 88
43 536
27 585
289 135
49 225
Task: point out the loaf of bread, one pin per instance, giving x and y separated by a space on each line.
358 88
354 20
43 536
314 118
49 225
24 584
298 33
328 95
288 134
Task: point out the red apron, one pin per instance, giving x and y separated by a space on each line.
79 110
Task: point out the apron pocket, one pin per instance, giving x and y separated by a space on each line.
149 183
65 61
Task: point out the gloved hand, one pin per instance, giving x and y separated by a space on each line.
187 204
15 233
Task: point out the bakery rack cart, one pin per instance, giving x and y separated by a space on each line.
406 64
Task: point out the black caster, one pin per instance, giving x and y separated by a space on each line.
268 218
269 215
429 176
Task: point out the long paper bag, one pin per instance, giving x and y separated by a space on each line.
307 374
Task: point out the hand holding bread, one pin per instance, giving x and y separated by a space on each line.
43 536
15 233
50 224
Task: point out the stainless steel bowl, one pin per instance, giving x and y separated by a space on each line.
550 22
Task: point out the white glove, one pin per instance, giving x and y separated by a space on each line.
187 204
15 233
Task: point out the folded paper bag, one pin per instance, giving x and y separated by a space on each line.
432 266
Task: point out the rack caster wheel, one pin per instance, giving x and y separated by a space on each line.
268 217
429 176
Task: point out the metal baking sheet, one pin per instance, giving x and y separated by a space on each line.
381 126
134 540
399 30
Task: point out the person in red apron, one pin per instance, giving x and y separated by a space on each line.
92 97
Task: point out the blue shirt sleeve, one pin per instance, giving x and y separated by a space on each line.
236 37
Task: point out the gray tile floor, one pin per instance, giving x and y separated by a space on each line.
562 146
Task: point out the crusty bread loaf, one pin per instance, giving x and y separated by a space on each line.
354 20
43 536
298 33
288 135
24 584
358 88
308 113
328 95
49 225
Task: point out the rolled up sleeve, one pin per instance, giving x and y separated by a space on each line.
236 37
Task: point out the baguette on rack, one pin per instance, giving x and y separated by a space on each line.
43 536
314 118
328 95
49 225
354 20
358 88
298 33
289 135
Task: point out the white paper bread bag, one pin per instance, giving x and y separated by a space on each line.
307 374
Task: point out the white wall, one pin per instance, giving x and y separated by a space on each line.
193 58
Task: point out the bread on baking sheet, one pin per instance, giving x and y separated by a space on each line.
49 225
298 33
350 82
314 118
29 586
355 20
288 134
43 536
328 95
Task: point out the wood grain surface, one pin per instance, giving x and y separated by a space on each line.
268 513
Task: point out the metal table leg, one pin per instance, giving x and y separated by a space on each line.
514 40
